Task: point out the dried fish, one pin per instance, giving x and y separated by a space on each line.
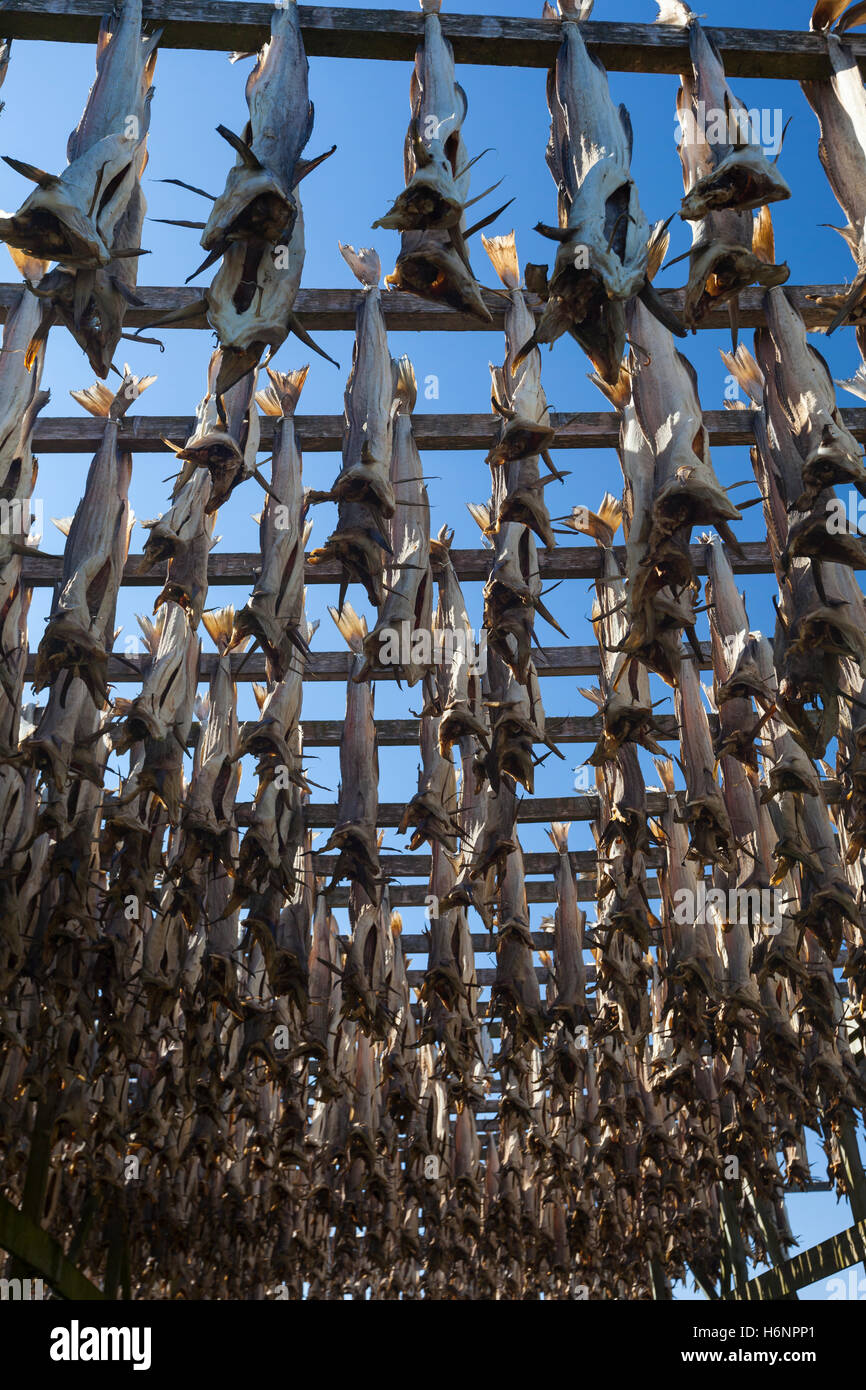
602 233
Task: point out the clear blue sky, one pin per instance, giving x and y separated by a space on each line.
363 108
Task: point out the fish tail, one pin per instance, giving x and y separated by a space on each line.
431 6
440 549
575 9
657 249
558 833
601 525
101 401
152 631
480 513
674 12
364 264
746 372
30 267
352 628
284 392
261 694
763 240
396 923
219 624
665 769
405 385
618 393
502 251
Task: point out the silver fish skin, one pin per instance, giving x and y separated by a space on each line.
81 626
60 220
407 611
274 612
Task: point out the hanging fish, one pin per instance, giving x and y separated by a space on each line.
81 626
90 219
433 260
602 233
402 639
354 835
274 613
363 490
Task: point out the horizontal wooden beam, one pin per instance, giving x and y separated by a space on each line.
472 566
336 666
319 434
822 1261
418 865
394 733
39 1251
497 41
537 891
333 310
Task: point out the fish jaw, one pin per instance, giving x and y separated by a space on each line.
433 270
254 207
426 203
745 179
718 271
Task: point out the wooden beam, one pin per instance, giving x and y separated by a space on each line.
394 733
34 1247
318 434
418 865
336 666
491 40
472 566
537 891
333 310
820 1262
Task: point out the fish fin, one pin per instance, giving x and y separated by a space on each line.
63 524
502 251
218 624
30 171
650 297
283 394
29 267
485 221
854 16
306 166
240 146
209 260
179 183
295 326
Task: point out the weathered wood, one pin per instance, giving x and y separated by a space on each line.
333 310
820 1262
537 891
322 434
418 865
36 1249
336 666
241 567
491 40
393 733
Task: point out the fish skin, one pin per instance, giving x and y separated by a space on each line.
363 490
274 613
724 175
354 835
430 212
589 155
840 106
90 289
569 922
81 626
407 607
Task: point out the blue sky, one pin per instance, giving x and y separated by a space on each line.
362 107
